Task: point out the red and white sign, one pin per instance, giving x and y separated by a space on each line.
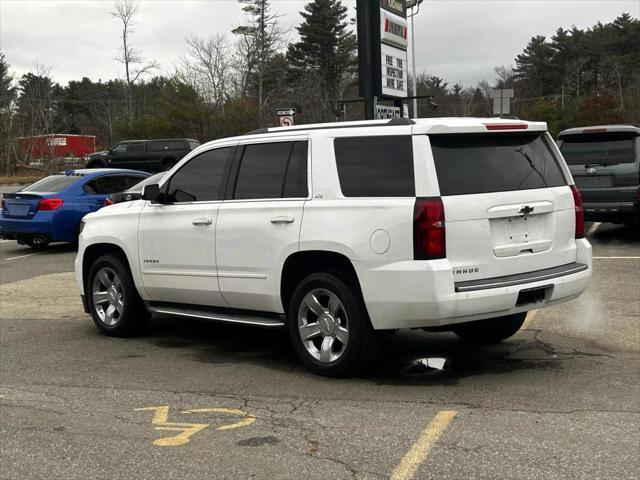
393 29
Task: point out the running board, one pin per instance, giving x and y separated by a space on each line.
256 319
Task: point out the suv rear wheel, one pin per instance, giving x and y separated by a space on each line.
114 303
492 330
329 325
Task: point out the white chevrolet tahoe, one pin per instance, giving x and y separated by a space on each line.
339 231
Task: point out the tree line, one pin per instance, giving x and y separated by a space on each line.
229 83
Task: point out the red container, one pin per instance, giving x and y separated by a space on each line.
57 146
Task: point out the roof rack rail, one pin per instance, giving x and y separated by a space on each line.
394 122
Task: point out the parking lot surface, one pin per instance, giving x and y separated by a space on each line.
560 399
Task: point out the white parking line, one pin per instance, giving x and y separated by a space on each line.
22 256
593 228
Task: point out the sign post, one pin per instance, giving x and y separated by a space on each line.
382 52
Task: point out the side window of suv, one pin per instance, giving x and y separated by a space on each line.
203 178
273 170
375 166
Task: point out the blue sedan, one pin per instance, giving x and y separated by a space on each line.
50 210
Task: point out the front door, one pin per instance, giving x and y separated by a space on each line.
177 237
259 223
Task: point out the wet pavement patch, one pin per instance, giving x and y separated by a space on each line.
258 441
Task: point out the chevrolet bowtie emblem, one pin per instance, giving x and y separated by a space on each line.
526 210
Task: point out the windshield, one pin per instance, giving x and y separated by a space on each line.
481 163
53 184
137 188
607 148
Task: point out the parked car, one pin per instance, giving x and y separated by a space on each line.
605 163
340 231
147 155
135 192
50 210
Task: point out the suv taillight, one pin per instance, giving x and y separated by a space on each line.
429 239
49 204
107 202
577 201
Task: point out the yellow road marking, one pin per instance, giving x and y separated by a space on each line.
248 420
187 430
530 316
420 449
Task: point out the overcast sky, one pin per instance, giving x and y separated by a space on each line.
460 40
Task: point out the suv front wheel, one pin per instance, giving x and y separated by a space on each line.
329 325
114 303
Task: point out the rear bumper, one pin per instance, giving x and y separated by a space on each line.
16 228
57 226
611 211
423 294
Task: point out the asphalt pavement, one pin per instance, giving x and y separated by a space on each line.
560 399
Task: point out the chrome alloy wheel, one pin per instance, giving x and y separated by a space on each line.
107 296
323 325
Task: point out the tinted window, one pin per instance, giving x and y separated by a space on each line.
120 148
193 144
136 148
262 170
157 146
112 184
147 181
375 166
607 148
202 178
295 184
54 184
480 163
177 145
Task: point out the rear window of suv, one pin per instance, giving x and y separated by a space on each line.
482 163
375 166
605 148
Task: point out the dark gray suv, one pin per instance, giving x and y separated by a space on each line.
605 164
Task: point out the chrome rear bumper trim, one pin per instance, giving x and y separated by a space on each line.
520 278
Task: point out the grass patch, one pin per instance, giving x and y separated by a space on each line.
21 179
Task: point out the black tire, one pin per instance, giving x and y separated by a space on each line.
96 164
492 330
167 164
362 341
132 317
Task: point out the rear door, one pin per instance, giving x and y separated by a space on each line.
508 208
604 164
259 223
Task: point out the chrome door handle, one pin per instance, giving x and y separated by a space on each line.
284 219
202 221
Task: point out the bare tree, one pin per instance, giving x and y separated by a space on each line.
260 40
125 11
207 67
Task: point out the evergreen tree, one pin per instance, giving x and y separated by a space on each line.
260 40
326 48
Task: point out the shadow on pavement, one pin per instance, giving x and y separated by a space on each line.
402 359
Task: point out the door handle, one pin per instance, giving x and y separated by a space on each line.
284 219
202 221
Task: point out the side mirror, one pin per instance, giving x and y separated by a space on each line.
151 192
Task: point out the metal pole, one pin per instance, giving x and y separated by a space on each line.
413 63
